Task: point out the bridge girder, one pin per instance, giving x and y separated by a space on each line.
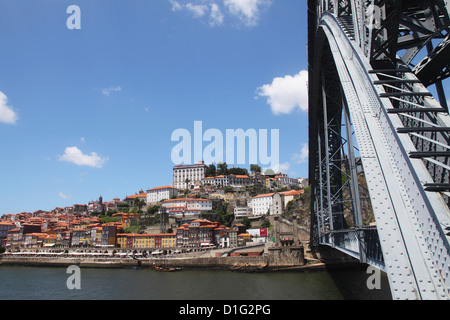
349 88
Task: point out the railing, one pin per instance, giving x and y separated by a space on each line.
360 243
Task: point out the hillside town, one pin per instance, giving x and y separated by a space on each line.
205 207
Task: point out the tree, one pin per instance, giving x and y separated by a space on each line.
255 168
222 168
138 204
220 207
265 224
238 171
246 222
152 209
211 170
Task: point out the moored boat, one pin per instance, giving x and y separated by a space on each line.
167 269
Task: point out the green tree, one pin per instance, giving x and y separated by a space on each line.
220 207
211 170
222 168
255 168
238 171
246 222
152 209
107 219
265 224
137 203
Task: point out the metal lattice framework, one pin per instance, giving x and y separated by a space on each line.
379 142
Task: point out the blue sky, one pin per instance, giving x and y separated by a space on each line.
89 112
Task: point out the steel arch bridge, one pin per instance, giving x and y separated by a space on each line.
379 143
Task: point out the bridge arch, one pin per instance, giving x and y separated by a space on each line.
351 110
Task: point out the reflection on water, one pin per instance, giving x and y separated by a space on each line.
120 284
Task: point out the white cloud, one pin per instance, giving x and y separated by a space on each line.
281 167
107 91
7 114
216 16
286 94
197 10
176 6
303 155
76 156
65 196
246 11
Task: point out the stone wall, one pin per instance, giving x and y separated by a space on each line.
286 256
276 257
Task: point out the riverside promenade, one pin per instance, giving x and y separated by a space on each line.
248 259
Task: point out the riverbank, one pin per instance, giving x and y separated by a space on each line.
233 263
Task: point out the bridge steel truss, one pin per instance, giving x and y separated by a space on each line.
370 111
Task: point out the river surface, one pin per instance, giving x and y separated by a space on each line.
30 283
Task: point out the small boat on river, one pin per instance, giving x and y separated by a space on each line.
167 269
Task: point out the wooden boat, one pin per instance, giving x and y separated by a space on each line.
167 269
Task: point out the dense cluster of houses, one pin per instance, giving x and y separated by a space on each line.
199 233
31 230
185 201
73 231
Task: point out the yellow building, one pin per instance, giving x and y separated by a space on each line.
228 196
143 241
121 240
159 240
268 184
168 240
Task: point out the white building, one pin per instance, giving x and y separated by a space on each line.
283 180
186 207
199 204
261 204
161 193
267 204
187 176
259 235
241 212
228 180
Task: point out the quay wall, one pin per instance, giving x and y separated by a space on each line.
259 263
201 262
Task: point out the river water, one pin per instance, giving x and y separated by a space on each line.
30 283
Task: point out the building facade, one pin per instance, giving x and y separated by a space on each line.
273 203
283 180
187 176
267 204
241 212
4 228
147 241
197 234
228 181
261 204
157 194
186 207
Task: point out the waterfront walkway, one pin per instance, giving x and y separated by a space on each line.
111 258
